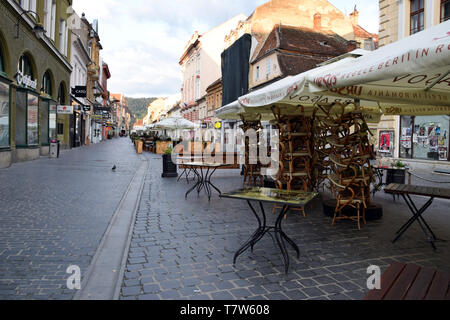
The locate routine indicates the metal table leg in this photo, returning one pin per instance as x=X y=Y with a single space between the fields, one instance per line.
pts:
x=263 y=229
x=196 y=185
x=417 y=216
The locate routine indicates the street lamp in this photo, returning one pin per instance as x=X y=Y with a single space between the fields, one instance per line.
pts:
x=38 y=28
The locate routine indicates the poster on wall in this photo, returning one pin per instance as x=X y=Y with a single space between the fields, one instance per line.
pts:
x=385 y=147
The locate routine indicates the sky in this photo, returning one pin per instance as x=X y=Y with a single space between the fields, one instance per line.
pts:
x=143 y=40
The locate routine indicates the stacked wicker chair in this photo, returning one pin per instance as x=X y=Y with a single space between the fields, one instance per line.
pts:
x=349 y=156
x=296 y=151
x=252 y=167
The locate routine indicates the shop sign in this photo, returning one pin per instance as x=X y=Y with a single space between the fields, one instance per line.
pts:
x=105 y=109
x=65 y=109
x=25 y=81
x=79 y=91
x=87 y=108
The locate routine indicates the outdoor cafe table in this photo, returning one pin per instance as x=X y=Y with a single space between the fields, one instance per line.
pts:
x=203 y=178
x=406 y=191
x=181 y=161
x=284 y=198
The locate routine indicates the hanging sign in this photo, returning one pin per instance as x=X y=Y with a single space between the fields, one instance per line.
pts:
x=65 y=109
x=79 y=91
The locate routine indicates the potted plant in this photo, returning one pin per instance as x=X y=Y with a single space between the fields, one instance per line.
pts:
x=169 y=168
x=397 y=173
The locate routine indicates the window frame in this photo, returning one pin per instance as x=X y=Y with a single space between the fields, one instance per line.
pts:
x=443 y=2
x=418 y=12
x=412 y=156
x=27 y=93
x=8 y=84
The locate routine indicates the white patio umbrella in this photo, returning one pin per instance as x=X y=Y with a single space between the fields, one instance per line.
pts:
x=175 y=123
x=410 y=76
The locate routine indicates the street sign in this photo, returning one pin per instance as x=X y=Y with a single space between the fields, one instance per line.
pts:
x=79 y=91
x=87 y=108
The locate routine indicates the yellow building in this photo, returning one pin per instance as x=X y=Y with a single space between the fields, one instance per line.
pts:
x=419 y=140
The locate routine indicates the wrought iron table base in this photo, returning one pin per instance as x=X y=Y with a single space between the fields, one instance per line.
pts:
x=186 y=173
x=203 y=182
x=417 y=216
x=263 y=229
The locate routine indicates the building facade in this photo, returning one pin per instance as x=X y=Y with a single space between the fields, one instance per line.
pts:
x=419 y=140
x=34 y=77
x=80 y=60
x=201 y=66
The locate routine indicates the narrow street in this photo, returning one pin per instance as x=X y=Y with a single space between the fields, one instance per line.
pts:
x=54 y=213
x=57 y=212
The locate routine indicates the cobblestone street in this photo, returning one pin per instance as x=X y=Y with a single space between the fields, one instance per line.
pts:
x=54 y=213
x=183 y=249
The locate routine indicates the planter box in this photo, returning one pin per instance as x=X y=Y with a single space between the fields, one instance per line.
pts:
x=396 y=176
x=139 y=144
x=162 y=146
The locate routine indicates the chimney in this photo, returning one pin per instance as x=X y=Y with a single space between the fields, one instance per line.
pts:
x=318 y=22
x=354 y=17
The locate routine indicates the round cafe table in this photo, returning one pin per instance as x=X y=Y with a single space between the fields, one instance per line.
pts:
x=203 y=171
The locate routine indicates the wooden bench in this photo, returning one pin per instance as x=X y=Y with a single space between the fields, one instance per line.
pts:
x=411 y=282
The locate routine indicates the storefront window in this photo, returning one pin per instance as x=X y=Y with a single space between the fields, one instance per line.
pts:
x=4 y=115
x=33 y=120
x=407 y=124
x=44 y=116
x=427 y=136
x=21 y=111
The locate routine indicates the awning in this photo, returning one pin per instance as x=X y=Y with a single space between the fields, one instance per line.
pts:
x=411 y=76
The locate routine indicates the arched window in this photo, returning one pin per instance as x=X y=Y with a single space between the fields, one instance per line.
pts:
x=2 y=64
x=25 y=66
x=47 y=84
x=62 y=94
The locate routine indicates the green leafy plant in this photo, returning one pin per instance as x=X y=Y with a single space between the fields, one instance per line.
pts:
x=398 y=164
x=168 y=151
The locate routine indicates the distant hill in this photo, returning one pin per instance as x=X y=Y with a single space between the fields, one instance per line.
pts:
x=138 y=106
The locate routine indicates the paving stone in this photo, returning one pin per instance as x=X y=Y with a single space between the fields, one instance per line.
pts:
x=331 y=288
x=197 y=239
x=276 y=296
x=313 y=292
x=152 y=288
x=222 y=295
x=241 y=293
x=131 y=291
x=169 y=295
x=295 y=294
x=148 y=297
